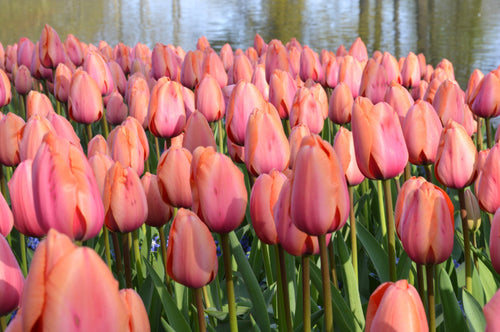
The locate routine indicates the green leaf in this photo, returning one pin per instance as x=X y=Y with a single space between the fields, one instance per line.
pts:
x=453 y=316
x=350 y=283
x=374 y=250
x=259 y=305
x=473 y=312
x=487 y=279
x=174 y=316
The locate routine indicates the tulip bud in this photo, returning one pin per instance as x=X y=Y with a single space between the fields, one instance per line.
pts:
x=159 y=212
x=32 y=135
x=11 y=279
x=23 y=81
x=116 y=109
x=310 y=106
x=191 y=71
x=282 y=89
x=410 y=72
x=473 y=211
x=350 y=72
x=212 y=65
x=226 y=55
x=276 y=58
x=488 y=180
x=73 y=49
x=62 y=80
x=486 y=100
x=209 y=99
x=340 y=105
x=373 y=82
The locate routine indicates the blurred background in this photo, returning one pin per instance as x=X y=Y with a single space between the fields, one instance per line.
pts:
x=466 y=32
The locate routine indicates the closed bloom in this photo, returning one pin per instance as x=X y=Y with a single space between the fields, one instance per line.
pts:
x=396 y=307
x=212 y=64
x=422 y=130
x=488 y=184
x=373 y=82
x=490 y=311
x=310 y=66
x=138 y=96
x=456 y=159
x=32 y=135
x=84 y=99
x=159 y=212
x=344 y=147
x=226 y=55
x=95 y=65
x=266 y=145
x=358 y=50
x=310 y=106
x=296 y=135
x=11 y=129
x=166 y=114
x=350 y=72
x=116 y=109
x=379 y=143
x=119 y=79
x=209 y=99
x=11 y=279
x=73 y=49
x=191 y=251
x=473 y=210
x=410 y=71
x=38 y=103
x=495 y=241
x=399 y=98
x=276 y=58
x=449 y=102
x=340 y=104
x=219 y=192
x=474 y=80
x=282 y=89
x=191 y=71
x=6 y=217
x=5 y=91
x=138 y=320
x=100 y=164
x=122 y=187
x=486 y=100
x=174 y=171
x=197 y=132
x=319 y=199
x=241 y=69
x=51 y=49
x=23 y=80
x=62 y=80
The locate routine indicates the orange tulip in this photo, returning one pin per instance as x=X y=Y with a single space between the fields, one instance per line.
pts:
x=97 y=144
x=318 y=181
x=11 y=278
x=266 y=145
x=32 y=134
x=488 y=183
x=191 y=251
x=95 y=65
x=6 y=217
x=340 y=104
x=379 y=143
x=310 y=106
x=62 y=80
x=209 y=99
x=282 y=89
x=122 y=187
x=138 y=320
x=410 y=71
x=84 y=99
x=396 y=306
x=74 y=206
x=159 y=212
x=166 y=114
x=219 y=192
x=11 y=128
x=64 y=128
x=197 y=132
x=456 y=158
x=344 y=147
x=51 y=49
x=61 y=288
x=495 y=241
x=5 y=91
x=240 y=70
x=296 y=135
x=22 y=201
x=276 y=58
x=174 y=170
x=422 y=130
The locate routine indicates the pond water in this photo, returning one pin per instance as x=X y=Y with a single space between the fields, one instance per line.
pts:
x=465 y=32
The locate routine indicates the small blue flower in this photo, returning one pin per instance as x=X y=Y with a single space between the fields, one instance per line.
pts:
x=155 y=243
x=219 y=250
x=33 y=243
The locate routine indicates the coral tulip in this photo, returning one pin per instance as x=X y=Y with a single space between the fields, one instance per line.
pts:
x=456 y=158
x=38 y=103
x=74 y=205
x=344 y=147
x=73 y=49
x=282 y=89
x=449 y=102
x=159 y=212
x=310 y=66
x=166 y=114
x=486 y=100
x=84 y=99
x=227 y=56
x=241 y=70
x=138 y=316
x=495 y=241
x=174 y=170
x=396 y=307
x=5 y=91
x=358 y=50
x=116 y=109
x=373 y=82
x=399 y=98
x=191 y=71
x=350 y=72
x=100 y=164
x=474 y=80
x=119 y=79
x=296 y=136
x=219 y=192
x=62 y=81
x=317 y=182
x=95 y=65
x=6 y=217
x=276 y=58
x=197 y=132
x=410 y=71
x=310 y=106
x=488 y=183
x=340 y=104
x=11 y=129
x=23 y=80
x=379 y=143
x=11 y=279
x=51 y=49
x=209 y=99
x=122 y=56
x=212 y=64
x=32 y=135
x=138 y=96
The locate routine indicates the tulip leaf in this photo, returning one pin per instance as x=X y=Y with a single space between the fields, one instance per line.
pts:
x=350 y=282
x=375 y=251
x=487 y=280
x=259 y=305
x=473 y=312
x=453 y=316
x=174 y=316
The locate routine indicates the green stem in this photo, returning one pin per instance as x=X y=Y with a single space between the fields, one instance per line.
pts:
x=479 y=134
x=22 y=108
x=281 y=320
x=364 y=191
x=325 y=274
x=488 y=133
x=24 y=262
x=126 y=259
x=137 y=254
x=407 y=172
x=106 y=246
x=354 y=241
x=221 y=136
x=105 y=127
x=333 y=266
x=474 y=244
x=3 y=182
x=226 y=253
x=157 y=146
x=381 y=209
x=58 y=107
x=420 y=282
x=163 y=244
x=428 y=173
x=3 y=323
x=391 y=239
x=467 y=250
x=118 y=255
x=267 y=264
x=306 y=294
x=199 y=309
x=284 y=286
x=430 y=297
x=88 y=128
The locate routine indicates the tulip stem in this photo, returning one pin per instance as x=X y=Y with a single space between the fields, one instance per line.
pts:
x=3 y=323
x=325 y=274
x=333 y=266
x=22 y=108
x=428 y=172
x=106 y=246
x=89 y=132
x=137 y=254
x=306 y=294
x=269 y=274
x=200 y=310
x=488 y=133
x=126 y=259
x=118 y=255
x=430 y=297
x=157 y=146
x=383 y=225
x=105 y=127
x=474 y=244
x=465 y=230
x=163 y=245
x=391 y=239
x=231 y=302
x=221 y=136
x=420 y=281
x=3 y=182
x=284 y=287
x=479 y=134
x=354 y=241
x=24 y=262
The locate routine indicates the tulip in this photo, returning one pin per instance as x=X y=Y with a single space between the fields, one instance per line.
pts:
x=97 y=144
x=282 y=89
x=473 y=211
x=95 y=65
x=266 y=145
x=219 y=192
x=166 y=114
x=213 y=65
x=495 y=241
x=244 y=99
x=350 y=72
x=456 y=158
x=395 y=306
x=379 y=143
x=241 y=69
x=276 y=58
x=191 y=251
x=6 y=217
x=438 y=78
x=138 y=97
x=490 y=311
x=74 y=205
x=486 y=100
x=11 y=58
x=32 y=135
x=235 y=151
x=73 y=49
x=344 y=148
x=174 y=170
x=474 y=81
x=488 y=182
x=116 y=109
x=202 y=44
x=62 y=80
x=11 y=129
x=422 y=130
x=410 y=71
x=119 y=79
x=159 y=212
x=310 y=106
x=399 y=98
x=122 y=56
x=310 y=66
x=38 y=103
x=391 y=66
x=358 y=50
x=5 y=91
x=61 y=288
x=23 y=81
x=209 y=99
x=64 y=128
x=197 y=132
x=226 y=55
x=449 y=102
x=373 y=82
x=138 y=320
x=24 y=52
x=100 y=164
x=340 y=104
x=84 y=99
x=11 y=279
x=259 y=80
x=296 y=135
x=331 y=70
x=191 y=71
x=51 y=49
x=122 y=187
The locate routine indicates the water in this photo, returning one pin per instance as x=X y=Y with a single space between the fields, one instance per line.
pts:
x=465 y=32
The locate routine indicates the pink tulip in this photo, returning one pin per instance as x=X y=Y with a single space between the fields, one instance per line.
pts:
x=174 y=170
x=24 y=52
x=122 y=56
x=344 y=148
x=490 y=311
x=331 y=70
x=38 y=103
x=138 y=97
x=138 y=320
x=116 y=109
x=282 y=89
x=100 y=164
x=11 y=131
x=32 y=135
x=241 y=69
x=226 y=55
x=5 y=92
x=310 y=66
x=358 y=50
x=449 y=102
x=97 y=144
x=11 y=279
x=486 y=100
x=495 y=241
x=213 y=65
x=197 y=132
x=410 y=71
x=399 y=98
x=84 y=99
x=119 y=79
x=276 y=58
x=191 y=71
x=209 y=99
x=166 y=114
x=51 y=49
x=310 y=106
x=391 y=66
x=73 y=49
x=489 y=181
x=62 y=80
x=350 y=72
x=6 y=217
x=23 y=80
x=296 y=135
x=373 y=82
x=340 y=104
x=474 y=80
x=159 y=212
x=95 y=65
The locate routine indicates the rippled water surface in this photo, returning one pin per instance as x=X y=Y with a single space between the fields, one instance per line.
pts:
x=466 y=32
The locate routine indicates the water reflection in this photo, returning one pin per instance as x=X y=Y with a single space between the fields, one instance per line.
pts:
x=465 y=32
